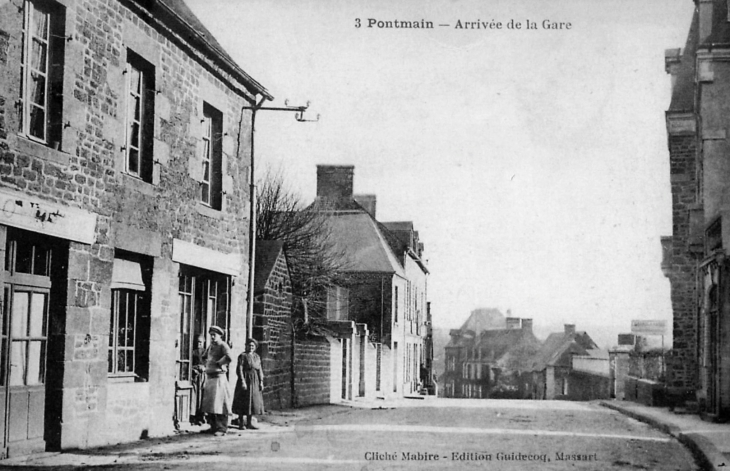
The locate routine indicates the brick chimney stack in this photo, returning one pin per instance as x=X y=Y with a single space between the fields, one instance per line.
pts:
x=513 y=323
x=368 y=202
x=335 y=181
x=569 y=329
x=527 y=325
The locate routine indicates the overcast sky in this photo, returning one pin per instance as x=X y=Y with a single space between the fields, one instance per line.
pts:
x=533 y=163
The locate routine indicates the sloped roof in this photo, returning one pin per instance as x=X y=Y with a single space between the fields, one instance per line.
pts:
x=683 y=98
x=267 y=253
x=203 y=39
x=557 y=345
x=357 y=234
x=399 y=225
x=484 y=319
x=499 y=341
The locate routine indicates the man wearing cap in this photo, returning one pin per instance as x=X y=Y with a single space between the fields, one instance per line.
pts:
x=216 y=395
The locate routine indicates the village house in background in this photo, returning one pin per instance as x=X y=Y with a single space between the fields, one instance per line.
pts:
x=553 y=376
x=387 y=291
x=487 y=362
x=124 y=188
x=695 y=256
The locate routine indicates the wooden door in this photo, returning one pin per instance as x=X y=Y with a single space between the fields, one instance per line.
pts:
x=24 y=344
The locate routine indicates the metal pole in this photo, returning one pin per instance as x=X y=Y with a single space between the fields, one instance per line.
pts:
x=252 y=226
x=299 y=110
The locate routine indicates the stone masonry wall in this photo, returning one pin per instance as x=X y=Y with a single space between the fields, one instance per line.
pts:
x=272 y=317
x=311 y=371
x=87 y=172
x=682 y=364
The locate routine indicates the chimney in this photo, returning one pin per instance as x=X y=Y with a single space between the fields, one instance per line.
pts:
x=672 y=61
x=513 y=322
x=569 y=329
x=367 y=202
x=335 y=181
x=527 y=325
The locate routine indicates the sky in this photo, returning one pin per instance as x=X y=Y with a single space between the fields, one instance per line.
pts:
x=532 y=162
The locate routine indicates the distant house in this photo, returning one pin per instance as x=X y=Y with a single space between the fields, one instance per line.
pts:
x=553 y=364
x=490 y=363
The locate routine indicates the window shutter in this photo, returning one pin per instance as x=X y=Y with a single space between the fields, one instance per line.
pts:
x=195 y=163
x=227 y=184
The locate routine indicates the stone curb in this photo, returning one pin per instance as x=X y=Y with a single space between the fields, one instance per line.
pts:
x=702 y=449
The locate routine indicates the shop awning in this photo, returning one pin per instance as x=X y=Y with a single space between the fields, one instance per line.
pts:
x=127 y=275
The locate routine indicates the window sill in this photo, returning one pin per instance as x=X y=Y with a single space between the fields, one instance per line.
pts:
x=208 y=211
x=37 y=149
x=138 y=184
x=126 y=378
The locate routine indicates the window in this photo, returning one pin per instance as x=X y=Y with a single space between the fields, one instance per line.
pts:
x=395 y=309
x=337 y=303
x=212 y=159
x=129 y=324
x=140 y=116
x=41 y=71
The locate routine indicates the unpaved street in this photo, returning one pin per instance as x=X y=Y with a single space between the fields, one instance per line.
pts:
x=423 y=434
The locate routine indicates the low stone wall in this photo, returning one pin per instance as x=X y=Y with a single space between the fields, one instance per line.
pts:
x=585 y=386
x=645 y=391
x=311 y=370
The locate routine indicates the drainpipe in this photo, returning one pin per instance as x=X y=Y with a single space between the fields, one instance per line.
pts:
x=252 y=223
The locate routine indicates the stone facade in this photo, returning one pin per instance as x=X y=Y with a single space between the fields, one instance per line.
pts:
x=78 y=187
x=315 y=360
x=273 y=325
x=697 y=128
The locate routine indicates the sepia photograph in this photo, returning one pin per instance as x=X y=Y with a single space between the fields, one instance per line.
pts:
x=365 y=235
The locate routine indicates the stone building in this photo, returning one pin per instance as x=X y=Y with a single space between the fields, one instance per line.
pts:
x=386 y=279
x=272 y=319
x=124 y=172
x=489 y=362
x=553 y=365
x=696 y=254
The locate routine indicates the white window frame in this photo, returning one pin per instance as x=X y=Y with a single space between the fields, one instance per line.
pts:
x=206 y=186
x=114 y=346
x=30 y=10
x=134 y=96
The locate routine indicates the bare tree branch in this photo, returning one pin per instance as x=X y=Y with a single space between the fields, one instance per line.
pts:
x=315 y=261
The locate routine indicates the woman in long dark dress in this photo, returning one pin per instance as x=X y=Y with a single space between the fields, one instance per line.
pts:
x=248 y=399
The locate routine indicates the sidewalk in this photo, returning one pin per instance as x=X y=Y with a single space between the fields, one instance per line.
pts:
x=709 y=442
x=177 y=444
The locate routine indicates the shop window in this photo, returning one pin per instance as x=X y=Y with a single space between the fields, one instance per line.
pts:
x=212 y=159
x=41 y=71
x=140 y=116
x=129 y=325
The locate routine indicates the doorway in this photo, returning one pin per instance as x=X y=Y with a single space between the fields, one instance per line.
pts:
x=204 y=301
x=24 y=335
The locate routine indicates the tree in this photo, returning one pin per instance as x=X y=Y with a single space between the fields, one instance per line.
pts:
x=315 y=261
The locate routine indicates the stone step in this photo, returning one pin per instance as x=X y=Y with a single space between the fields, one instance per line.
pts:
x=688 y=407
